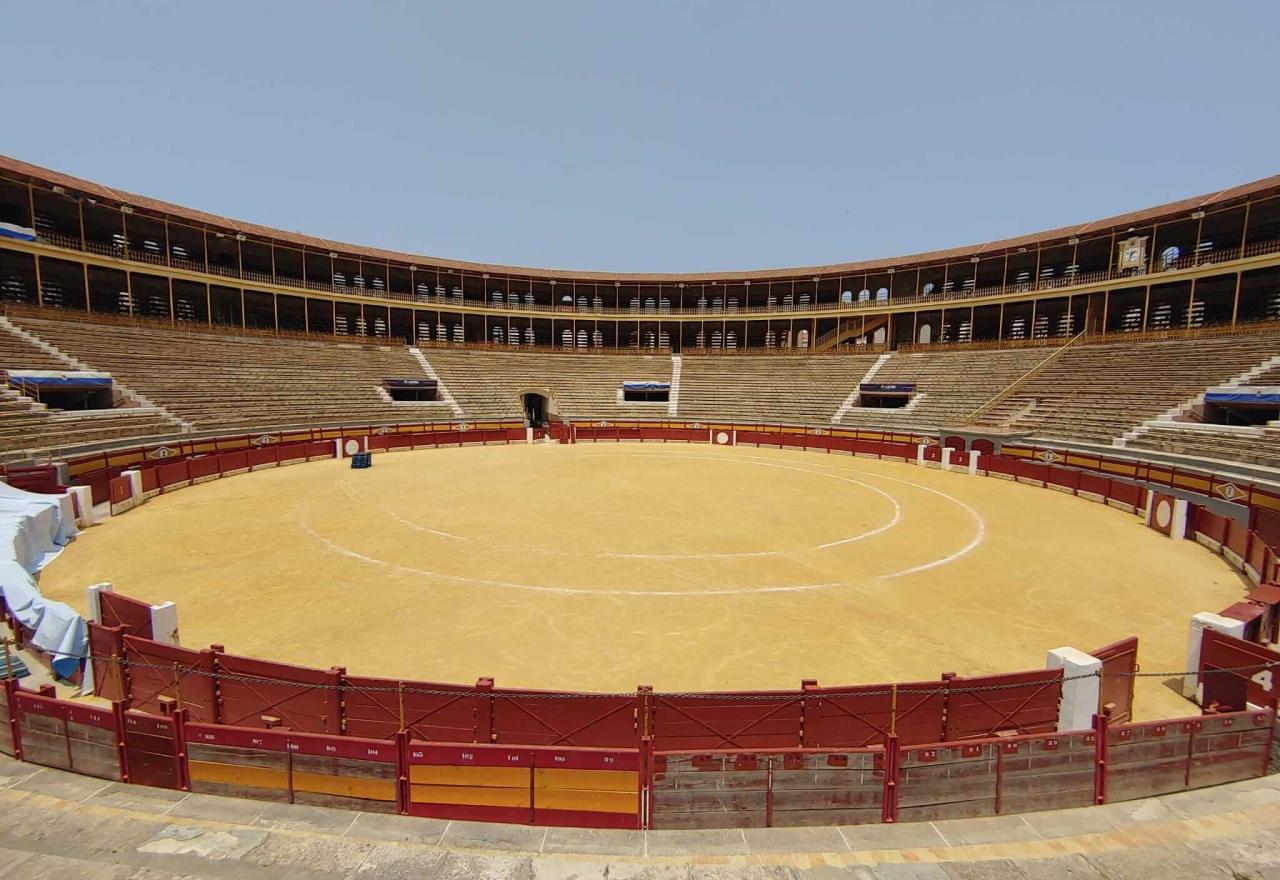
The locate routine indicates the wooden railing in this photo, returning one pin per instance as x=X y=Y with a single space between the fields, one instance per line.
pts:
x=1061 y=282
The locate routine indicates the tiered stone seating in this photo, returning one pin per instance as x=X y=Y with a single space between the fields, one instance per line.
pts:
x=803 y=389
x=1253 y=445
x=29 y=429
x=489 y=384
x=1097 y=392
x=949 y=385
x=221 y=382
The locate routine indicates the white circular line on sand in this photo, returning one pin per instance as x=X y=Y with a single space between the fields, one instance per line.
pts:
x=543 y=588
x=893 y=521
x=797 y=588
x=978 y=538
x=355 y=496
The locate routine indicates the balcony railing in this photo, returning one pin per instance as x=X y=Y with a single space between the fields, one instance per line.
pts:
x=444 y=301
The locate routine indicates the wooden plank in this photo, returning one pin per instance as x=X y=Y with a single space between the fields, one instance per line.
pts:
x=470 y=795
x=237 y=775
x=485 y=777
x=587 y=780
x=592 y=801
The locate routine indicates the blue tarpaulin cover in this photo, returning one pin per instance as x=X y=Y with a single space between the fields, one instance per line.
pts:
x=63 y=378
x=646 y=386
x=1257 y=395
x=13 y=230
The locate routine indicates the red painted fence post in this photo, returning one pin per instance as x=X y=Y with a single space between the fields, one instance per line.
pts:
x=10 y=686
x=889 y=806
x=179 y=717
x=646 y=783
x=809 y=713
x=402 y=773
x=216 y=650
x=117 y=716
x=484 y=711
x=1101 y=726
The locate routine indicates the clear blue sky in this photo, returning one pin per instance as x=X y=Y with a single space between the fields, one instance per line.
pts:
x=648 y=136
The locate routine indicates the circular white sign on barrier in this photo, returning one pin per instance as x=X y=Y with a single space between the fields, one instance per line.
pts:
x=352 y=447
x=722 y=438
x=1164 y=514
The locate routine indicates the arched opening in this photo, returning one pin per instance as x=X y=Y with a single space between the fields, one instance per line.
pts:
x=925 y=334
x=535 y=407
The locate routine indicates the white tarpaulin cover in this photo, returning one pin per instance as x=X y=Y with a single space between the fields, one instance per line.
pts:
x=33 y=530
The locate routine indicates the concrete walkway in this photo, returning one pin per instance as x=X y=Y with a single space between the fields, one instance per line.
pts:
x=56 y=825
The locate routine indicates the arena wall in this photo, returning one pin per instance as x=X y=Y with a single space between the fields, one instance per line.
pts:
x=206 y=720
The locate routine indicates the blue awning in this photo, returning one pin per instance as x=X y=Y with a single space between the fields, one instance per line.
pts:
x=59 y=379
x=1256 y=396
x=13 y=230
x=646 y=386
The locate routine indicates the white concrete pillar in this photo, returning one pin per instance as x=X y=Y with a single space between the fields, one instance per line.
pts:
x=1178 y=528
x=83 y=496
x=1199 y=623
x=528 y=434
x=946 y=457
x=1148 y=507
x=95 y=604
x=164 y=623
x=973 y=463
x=135 y=486
x=920 y=454
x=1081 y=687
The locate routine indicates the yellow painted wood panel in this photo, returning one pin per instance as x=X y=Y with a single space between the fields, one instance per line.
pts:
x=346 y=786
x=595 y=801
x=470 y=795
x=587 y=780
x=495 y=777
x=234 y=774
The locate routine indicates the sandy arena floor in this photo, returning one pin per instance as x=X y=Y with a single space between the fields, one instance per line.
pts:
x=604 y=566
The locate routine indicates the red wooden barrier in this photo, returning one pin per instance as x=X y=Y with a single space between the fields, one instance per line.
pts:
x=154 y=751
x=120 y=491
x=381 y=707
x=157 y=674
x=853 y=717
x=755 y=720
x=1257 y=681
x=251 y=693
x=172 y=476
x=1119 y=664
x=68 y=736
x=1020 y=702
x=132 y=616
x=202 y=467
x=262 y=456
x=534 y=718
x=106 y=647
x=330 y=771
x=233 y=462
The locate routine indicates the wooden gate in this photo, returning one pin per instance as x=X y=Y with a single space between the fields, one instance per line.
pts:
x=1119 y=665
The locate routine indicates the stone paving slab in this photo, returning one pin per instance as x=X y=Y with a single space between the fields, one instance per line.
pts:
x=401 y=829
x=62 y=785
x=594 y=842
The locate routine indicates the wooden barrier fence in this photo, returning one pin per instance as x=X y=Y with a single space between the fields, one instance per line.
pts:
x=639 y=787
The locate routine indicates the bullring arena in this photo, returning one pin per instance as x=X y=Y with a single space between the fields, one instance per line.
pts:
x=548 y=566
x=506 y=554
